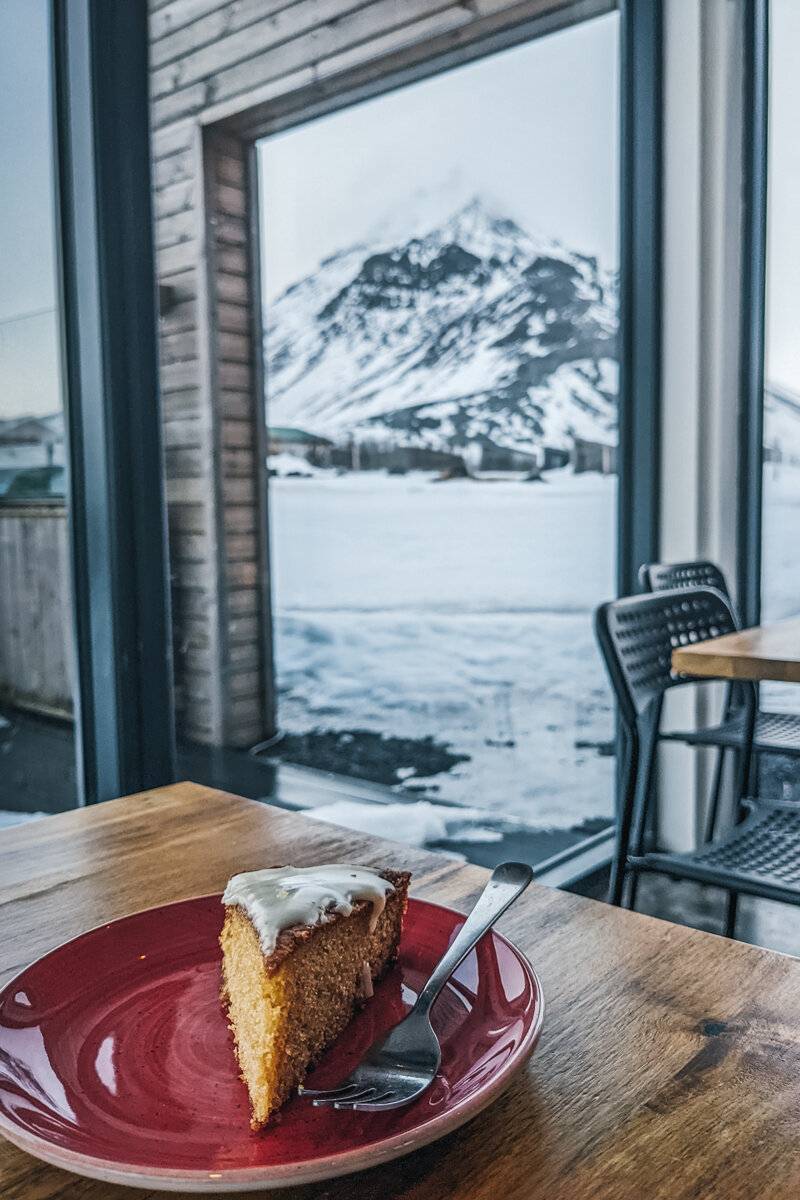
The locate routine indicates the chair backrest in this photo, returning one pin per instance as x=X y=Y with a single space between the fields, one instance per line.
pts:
x=638 y=634
x=664 y=577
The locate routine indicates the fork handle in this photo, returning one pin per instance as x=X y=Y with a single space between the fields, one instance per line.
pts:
x=508 y=881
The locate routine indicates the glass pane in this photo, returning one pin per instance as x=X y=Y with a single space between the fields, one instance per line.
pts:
x=36 y=732
x=780 y=588
x=440 y=288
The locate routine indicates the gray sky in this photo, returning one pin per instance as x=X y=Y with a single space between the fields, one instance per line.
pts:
x=535 y=128
x=783 y=230
x=29 y=373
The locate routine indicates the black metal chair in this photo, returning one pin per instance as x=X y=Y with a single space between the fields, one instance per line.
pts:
x=665 y=577
x=774 y=732
x=759 y=855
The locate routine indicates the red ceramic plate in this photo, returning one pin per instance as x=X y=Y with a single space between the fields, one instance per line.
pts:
x=116 y=1061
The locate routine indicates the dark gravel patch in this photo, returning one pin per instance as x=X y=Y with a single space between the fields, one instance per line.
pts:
x=364 y=754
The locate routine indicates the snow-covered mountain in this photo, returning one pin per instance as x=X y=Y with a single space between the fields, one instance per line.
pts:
x=472 y=331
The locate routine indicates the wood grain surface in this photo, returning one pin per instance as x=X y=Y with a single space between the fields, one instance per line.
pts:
x=765 y=652
x=669 y=1065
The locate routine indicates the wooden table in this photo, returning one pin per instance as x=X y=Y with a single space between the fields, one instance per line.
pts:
x=669 y=1065
x=765 y=652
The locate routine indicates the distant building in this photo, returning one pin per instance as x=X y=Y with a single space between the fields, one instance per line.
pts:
x=491 y=457
x=379 y=456
x=503 y=458
x=593 y=456
x=32 y=456
x=310 y=446
x=32 y=431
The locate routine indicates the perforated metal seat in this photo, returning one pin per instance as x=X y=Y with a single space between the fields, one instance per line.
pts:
x=760 y=855
x=775 y=732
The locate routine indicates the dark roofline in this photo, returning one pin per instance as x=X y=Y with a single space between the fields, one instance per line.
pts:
x=288 y=434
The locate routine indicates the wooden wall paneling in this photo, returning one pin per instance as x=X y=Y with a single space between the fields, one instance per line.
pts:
x=179 y=30
x=239 y=463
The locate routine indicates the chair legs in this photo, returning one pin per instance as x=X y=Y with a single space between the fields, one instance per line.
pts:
x=618 y=866
x=638 y=779
x=716 y=788
x=744 y=762
x=633 y=882
x=642 y=792
x=748 y=779
x=753 y=775
x=730 y=914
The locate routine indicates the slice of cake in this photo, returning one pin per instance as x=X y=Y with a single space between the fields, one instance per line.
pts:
x=301 y=948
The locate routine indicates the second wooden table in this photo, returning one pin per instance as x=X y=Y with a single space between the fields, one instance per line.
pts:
x=764 y=652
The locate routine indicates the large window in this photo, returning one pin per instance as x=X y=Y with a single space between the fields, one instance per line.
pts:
x=37 y=762
x=781 y=520
x=440 y=275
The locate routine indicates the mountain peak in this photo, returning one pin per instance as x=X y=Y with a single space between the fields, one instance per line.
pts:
x=429 y=212
x=482 y=227
x=450 y=325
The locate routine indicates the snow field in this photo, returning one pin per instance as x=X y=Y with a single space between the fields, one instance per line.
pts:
x=461 y=610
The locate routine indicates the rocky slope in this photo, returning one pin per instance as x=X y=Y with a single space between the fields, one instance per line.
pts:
x=472 y=332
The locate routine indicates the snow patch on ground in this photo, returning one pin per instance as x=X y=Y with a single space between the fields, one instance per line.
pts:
x=418 y=824
x=287 y=463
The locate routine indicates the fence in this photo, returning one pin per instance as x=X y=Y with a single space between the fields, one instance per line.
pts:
x=36 y=668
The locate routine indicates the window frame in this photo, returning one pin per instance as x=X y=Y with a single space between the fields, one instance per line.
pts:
x=755 y=141
x=641 y=235
x=124 y=711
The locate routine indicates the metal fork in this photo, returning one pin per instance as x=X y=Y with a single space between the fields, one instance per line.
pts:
x=401 y=1064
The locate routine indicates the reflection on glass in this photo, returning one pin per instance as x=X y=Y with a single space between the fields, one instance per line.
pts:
x=36 y=743
x=780 y=595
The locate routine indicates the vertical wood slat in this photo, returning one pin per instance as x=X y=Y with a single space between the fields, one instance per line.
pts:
x=238 y=469
x=36 y=666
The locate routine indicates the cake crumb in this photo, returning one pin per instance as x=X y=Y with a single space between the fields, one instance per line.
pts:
x=366 y=979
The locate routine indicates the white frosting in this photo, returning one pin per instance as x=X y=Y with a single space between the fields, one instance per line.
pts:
x=278 y=898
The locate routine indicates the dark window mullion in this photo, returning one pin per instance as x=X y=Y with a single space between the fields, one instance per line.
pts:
x=754 y=265
x=116 y=506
